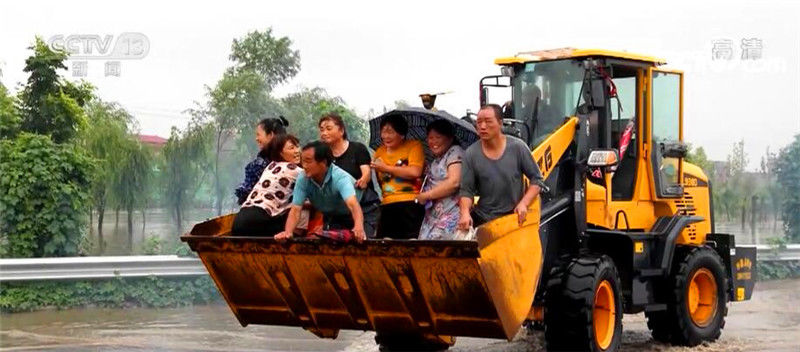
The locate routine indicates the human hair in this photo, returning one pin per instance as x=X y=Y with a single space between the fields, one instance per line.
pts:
x=274 y=125
x=443 y=127
x=277 y=143
x=498 y=111
x=336 y=119
x=398 y=123
x=322 y=152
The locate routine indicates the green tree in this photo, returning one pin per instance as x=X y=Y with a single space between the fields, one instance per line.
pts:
x=9 y=116
x=773 y=191
x=261 y=62
x=104 y=139
x=270 y=57
x=48 y=104
x=235 y=104
x=185 y=156
x=698 y=157
x=132 y=180
x=304 y=108
x=788 y=175
x=740 y=185
x=44 y=195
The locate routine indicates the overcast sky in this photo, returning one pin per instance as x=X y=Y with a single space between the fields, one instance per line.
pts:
x=374 y=53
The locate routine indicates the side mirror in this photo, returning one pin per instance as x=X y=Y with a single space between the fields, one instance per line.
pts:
x=603 y=158
x=674 y=149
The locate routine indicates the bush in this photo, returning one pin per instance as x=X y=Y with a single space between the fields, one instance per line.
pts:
x=115 y=293
x=777 y=270
x=44 y=197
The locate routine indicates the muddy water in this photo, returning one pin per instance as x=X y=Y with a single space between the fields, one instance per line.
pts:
x=157 y=223
x=770 y=322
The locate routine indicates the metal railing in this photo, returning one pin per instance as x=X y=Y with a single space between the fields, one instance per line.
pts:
x=771 y=253
x=77 y=268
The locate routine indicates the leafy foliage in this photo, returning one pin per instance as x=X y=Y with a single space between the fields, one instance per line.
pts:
x=115 y=293
x=698 y=157
x=103 y=139
x=9 y=116
x=133 y=179
x=778 y=270
x=185 y=166
x=48 y=104
x=44 y=194
x=270 y=57
x=304 y=108
x=788 y=175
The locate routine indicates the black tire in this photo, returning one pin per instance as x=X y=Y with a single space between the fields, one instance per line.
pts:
x=675 y=325
x=412 y=342
x=569 y=304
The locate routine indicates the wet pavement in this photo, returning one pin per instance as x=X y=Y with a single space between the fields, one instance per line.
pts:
x=769 y=322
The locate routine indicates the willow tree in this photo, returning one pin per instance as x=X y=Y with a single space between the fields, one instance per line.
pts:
x=132 y=180
x=185 y=165
x=105 y=139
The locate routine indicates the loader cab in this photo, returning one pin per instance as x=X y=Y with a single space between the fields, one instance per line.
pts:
x=630 y=105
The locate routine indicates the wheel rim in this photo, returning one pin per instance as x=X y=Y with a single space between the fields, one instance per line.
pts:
x=604 y=314
x=702 y=297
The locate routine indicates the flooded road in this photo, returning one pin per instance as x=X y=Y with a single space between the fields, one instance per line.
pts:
x=158 y=223
x=770 y=322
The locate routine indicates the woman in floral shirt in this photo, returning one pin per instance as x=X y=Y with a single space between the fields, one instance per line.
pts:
x=442 y=179
x=265 y=209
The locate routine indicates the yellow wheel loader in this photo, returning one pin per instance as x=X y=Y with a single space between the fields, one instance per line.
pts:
x=626 y=226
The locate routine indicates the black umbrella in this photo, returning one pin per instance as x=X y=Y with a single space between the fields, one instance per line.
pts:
x=418 y=119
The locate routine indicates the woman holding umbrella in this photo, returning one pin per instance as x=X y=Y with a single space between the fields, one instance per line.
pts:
x=398 y=163
x=442 y=181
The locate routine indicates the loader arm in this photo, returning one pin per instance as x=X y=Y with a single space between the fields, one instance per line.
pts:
x=549 y=152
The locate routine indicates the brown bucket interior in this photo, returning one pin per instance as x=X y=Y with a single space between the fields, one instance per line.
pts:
x=427 y=287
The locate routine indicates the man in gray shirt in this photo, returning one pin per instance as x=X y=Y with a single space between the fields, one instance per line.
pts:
x=493 y=170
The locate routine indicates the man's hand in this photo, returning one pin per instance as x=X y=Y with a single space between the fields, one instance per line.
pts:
x=358 y=232
x=362 y=183
x=283 y=236
x=379 y=165
x=522 y=212
x=464 y=221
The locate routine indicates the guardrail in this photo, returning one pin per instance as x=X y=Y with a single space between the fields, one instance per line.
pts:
x=77 y=268
x=770 y=253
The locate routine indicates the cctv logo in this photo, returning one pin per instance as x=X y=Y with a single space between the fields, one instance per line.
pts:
x=127 y=46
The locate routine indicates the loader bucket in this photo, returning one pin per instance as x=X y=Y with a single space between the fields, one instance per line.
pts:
x=480 y=288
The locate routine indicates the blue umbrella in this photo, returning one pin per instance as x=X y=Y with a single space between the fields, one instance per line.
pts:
x=418 y=119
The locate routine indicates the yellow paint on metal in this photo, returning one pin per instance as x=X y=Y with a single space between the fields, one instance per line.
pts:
x=604 y=315
x=567 y=53
x=511 y=262
x=701 y=297
x=549 y=152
